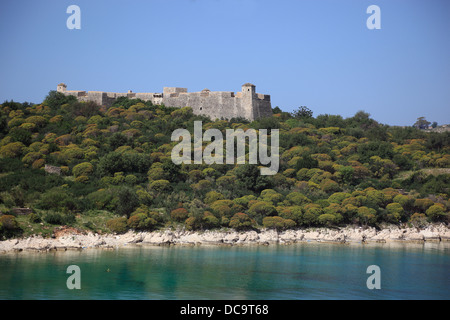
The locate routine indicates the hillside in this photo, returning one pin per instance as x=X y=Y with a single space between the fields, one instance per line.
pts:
x=112 y=171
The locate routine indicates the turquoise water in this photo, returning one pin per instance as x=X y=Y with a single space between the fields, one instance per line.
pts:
x=300 y=271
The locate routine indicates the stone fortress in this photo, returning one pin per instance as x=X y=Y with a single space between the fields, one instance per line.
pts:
x=215 y=104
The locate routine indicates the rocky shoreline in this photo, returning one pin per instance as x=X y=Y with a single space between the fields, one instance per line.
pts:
x=70 y=240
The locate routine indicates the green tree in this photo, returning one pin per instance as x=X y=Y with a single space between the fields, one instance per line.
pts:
x=127 y=201
x=249 y=177
x=58 y=199
x=302 y=113
x=20 y=135
x=56 y=99
x=421 y=123
x=117 y=140
x=346 y=173
x=306 y=162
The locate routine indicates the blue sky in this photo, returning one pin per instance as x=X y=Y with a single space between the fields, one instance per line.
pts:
x=315 y=53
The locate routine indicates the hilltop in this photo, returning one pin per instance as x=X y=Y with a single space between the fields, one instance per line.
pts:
x=108 y=169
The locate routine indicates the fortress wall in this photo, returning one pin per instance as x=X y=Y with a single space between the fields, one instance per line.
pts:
x=167 y=90
x=214 y=104
x=75 y=93
x=223 y=94
x=97 y=96
x=116 y=95
x=263 y=96
x=144 y=96
x=262 y=108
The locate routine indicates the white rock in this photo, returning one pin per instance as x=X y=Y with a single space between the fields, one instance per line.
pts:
x=268 y=236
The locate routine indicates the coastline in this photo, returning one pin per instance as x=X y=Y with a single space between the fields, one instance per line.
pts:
x=70 y=239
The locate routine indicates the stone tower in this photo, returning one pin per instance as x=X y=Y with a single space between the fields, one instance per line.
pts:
x=248 y=95
x=61 y=87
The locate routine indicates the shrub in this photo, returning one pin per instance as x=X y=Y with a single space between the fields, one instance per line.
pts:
x=130 y=179
x=160 y=185
x=117 y=225
x=245 y=200
x=271 y=195
x=294 y=213
x=34 y=218
x=367 y=216
x=195 y=175
x=278 y=223
x=240 y=221
x=418 y=220
x=179 y=215
x=9 y=226
x=202 y=185
x=30 y=157
x=12 y=150
x=128 y=201
x=226 y=182
x=39 y=163
x=404 y=201
x=437 y=212
x=102 y=199
x=212 y=196
x=225 y=208
x=192 y=223
x=311 y=214
x=210 y=221
x=57 y=199
x=423 y=204
x=59 y=218
x=329 y=185
x=82 y=179
x=261 y=209
x=297 y=198
x=156 y=173
x=339 y=197
x=9 y=222
x=141 y=221
x=83 y=169
x=249 y=177
x=395 y=212
x=328 y=219
x=306 y=162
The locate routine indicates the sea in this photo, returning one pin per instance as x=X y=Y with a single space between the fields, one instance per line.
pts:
x=302 y=271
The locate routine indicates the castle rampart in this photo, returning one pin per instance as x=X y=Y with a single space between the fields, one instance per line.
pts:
x=215 y=104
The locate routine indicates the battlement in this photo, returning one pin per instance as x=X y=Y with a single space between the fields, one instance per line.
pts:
x=215 y=104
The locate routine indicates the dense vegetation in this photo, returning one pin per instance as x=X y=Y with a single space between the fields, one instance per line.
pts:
x=117 y=174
